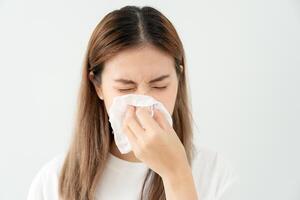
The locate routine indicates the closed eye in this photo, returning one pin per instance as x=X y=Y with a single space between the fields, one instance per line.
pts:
x=159 y=88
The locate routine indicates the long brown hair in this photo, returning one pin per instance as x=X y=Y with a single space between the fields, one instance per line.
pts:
x=120 y=29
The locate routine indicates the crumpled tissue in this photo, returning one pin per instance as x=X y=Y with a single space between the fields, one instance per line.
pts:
x=117 y=113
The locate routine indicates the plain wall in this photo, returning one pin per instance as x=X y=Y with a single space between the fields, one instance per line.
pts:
x=243 y=60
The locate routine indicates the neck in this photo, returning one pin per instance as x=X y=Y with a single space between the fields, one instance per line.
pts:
x=128 y=156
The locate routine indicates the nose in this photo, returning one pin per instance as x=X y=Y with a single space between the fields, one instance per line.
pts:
x=143 y=90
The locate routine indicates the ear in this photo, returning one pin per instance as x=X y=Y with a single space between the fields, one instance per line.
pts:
x=91 y=76
x=97 y=88
x=181 y=68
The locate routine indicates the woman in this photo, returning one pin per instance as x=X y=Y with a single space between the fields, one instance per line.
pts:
x=134 y=50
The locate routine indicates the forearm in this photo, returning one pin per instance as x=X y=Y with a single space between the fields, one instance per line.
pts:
x=180 y=186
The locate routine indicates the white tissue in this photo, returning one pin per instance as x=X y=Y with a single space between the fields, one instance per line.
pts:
x=117 y=113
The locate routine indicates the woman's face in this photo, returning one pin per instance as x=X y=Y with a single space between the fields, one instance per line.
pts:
x=144 y=70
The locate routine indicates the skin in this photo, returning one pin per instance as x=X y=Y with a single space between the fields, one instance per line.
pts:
x=157 y=145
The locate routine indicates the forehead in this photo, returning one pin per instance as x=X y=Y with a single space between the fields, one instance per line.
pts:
x=146 y=60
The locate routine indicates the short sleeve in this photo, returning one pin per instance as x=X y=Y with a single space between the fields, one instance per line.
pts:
x=227 y=179
x=45 y=183
x=36 y=187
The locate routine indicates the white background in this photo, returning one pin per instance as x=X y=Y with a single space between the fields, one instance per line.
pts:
x=243 y=59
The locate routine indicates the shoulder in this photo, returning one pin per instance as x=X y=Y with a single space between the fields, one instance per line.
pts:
x=52 y=167
x=213 y=172
x=45 y=182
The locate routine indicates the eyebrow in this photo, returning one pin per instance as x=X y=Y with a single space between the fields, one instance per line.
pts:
x=126 y=81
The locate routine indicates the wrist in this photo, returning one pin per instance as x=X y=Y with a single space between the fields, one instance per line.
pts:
x=181 y=173
x=179 y=184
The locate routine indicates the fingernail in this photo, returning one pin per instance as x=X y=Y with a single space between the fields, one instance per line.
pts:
x=130 y=109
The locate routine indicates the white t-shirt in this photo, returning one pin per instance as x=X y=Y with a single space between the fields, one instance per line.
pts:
x=122 y=180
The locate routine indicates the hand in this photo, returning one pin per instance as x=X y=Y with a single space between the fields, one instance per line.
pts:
x=157 y=144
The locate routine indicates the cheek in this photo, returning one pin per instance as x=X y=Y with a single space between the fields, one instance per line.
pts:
x=108 y=99
x=108 y=93
x=168 y=99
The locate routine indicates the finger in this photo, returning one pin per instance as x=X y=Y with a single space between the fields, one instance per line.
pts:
x=135 y=126
x=146 y=119
x=131 y=137
x=128 y=115
x=161 y=120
